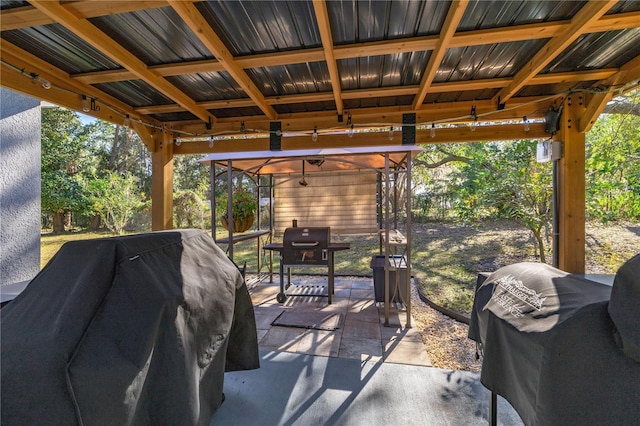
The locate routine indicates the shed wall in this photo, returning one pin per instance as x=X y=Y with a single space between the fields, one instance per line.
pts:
x=344 y=201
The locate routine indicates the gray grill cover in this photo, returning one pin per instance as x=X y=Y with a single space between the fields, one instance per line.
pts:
x=127 y=330
x=550 y=349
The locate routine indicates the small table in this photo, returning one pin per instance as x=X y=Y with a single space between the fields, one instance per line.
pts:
x=236 y=238
x=331 y=248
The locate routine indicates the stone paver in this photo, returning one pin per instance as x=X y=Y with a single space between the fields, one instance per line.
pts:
x=362 y=333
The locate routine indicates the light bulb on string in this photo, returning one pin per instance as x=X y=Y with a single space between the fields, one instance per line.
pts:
x=391 y=133
x=474 y=123
x=314 y=135
x=44 y=83
x=127 y=121
x=210 y=141
x=85 y=104
x=432 y=132
x=178 y=141
x=350 y=131
x=243 y=130
x=525 y=122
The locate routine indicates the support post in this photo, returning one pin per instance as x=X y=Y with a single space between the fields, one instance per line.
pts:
x=571 y=188
x=162 y=183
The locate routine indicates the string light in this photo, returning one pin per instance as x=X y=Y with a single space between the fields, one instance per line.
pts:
x=85 y=104
x=43 y=82
x=178 y=141
x=210 y=141
x=391 y=133
x=314 y=136
x=432 y=132
x=474 y=123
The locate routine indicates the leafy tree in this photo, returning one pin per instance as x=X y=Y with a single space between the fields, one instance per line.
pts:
x=116 y=198
x=189 y=209
x=613 y=162
x=64 y=156
x=494 y=180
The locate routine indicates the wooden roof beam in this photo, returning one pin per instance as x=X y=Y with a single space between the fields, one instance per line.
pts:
x=533 y=107
x=324 y=27
x=99 y=40
x=597 y=102
x=454 y=15
x=26 y=61
x=580 y=24
x=29 y=16
x=201 y=28
x=446 y=87
x=387 y=47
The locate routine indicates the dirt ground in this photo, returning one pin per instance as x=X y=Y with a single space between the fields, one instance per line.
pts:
x=607 y=247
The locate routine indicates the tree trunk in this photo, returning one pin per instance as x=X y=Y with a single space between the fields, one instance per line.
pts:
x=67 y=220
x=58 y=223
x=95 y=223
x=540 y=241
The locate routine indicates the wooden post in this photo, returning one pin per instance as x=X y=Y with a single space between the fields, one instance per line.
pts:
x=571 y=187
x=162 y=183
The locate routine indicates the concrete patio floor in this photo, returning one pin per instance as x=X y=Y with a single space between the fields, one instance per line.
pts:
x=363 y=373
x=361 y=334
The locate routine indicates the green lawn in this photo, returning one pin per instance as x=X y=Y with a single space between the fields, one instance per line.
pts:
x=446 y=257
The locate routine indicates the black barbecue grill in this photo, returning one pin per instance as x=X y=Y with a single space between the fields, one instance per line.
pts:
x=306 y=247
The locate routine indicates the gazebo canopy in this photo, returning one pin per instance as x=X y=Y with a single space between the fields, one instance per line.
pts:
x=316 y=160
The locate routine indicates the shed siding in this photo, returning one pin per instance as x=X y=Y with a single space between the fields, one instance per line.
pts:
x=344 y=201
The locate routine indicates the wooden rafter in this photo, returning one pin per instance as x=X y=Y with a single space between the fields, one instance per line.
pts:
x=467 y=38
x=115 y=51
x=447 y=87
x=597 y=102
x=29 y=16
x=23 y=60
x=456 y=10
x=580 y=23
x=324 y=27
x=533 y=107
x=198 y=24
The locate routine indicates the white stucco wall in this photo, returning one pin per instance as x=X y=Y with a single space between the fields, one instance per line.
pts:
x=19 y=186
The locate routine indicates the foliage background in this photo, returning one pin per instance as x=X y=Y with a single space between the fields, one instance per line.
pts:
x=97 y=177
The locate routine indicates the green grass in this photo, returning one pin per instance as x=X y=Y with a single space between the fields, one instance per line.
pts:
x=51 y=243
x=446 y=257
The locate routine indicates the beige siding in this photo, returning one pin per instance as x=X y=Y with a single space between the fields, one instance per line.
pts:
x=345 y=201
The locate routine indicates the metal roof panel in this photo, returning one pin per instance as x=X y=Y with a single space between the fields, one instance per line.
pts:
x=611 y=49
x=208 y=86
x=486 y=61
x=308 y=77
x=358 y=21
x=60 y=47
x=248 y=27
x=484 y=14
x=155 y=36
x=136 y=93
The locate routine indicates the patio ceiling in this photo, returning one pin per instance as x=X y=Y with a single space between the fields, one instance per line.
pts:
x=227 y=68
